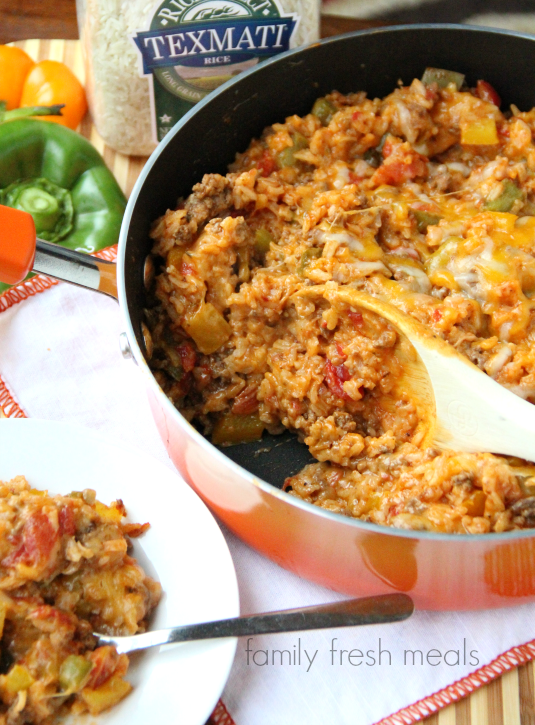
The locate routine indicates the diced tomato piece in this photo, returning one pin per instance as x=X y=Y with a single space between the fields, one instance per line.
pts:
x=66 y=521
x=437 y=315
x=335 y=375
x=400 y=171
x=356 y=115
x=105 y=660
x=135 y=530
x=388 y=147
x=266 y=163
x=340 y=351
x=50 y=619
x=487 y=93
x=39 y=536
x=246 y=402
x=186 y=268
x=430 y=94
x=401 y=164
x=353 y=178
x=355 y=317
x=38 y=540
x=504 y=131
x=188 y=356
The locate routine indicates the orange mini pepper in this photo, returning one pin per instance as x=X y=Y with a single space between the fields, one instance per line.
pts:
x=49 y=83
x=15 y=65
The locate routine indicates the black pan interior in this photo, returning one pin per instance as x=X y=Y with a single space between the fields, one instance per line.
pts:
x=373 y=61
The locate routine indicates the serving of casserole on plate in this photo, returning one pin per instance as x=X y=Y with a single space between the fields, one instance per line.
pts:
x=53 y=599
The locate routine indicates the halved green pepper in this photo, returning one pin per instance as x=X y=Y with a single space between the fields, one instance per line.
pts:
x=46 y=168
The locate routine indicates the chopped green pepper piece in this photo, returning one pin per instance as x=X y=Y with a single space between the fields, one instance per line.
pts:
x=324 y=110
x=424 y=219
x=287 y=155
x=174 y=372
x=373 y=157
x=300 y=141
x=504 y=202
x=232 y=428
x=49 y=204
x=73 y=673
x=442 y=78
x=262 y=240
x=307 y=256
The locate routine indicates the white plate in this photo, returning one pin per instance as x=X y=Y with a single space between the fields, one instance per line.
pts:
x=184 y=549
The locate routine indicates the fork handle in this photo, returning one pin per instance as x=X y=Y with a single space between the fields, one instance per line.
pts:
x=349 y=613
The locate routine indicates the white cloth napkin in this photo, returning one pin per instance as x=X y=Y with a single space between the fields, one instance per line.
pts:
x=60 y=359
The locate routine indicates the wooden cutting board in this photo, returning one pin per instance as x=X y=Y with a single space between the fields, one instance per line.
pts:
x=507 y=700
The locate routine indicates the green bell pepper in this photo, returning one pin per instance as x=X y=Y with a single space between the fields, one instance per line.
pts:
x=442 y=78
x=307 y=256
x=324 y=110
x=504 y=202
x=424 y=219
x=60 y=178
x=262 y=240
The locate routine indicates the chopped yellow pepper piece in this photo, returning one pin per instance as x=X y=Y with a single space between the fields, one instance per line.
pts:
x=208 y=328
x=481 y=132
x=475 y=503
x=109 y=514
x=18 y=678
x=232 y=428
x=107 y=695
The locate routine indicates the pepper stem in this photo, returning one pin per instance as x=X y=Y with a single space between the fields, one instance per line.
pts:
x=29 y=111
x=42 y=206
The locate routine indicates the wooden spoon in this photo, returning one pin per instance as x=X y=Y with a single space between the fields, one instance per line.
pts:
x=459 y=406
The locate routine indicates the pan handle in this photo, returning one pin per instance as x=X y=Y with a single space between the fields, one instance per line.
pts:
x=21 y=251
x=76 y=268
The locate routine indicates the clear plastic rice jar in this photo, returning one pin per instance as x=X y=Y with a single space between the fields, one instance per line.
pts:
x=147 y=63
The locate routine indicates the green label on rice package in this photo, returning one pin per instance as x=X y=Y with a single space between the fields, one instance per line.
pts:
x=193 y=46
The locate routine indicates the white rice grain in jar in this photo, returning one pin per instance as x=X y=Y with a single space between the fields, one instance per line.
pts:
x=147 y=63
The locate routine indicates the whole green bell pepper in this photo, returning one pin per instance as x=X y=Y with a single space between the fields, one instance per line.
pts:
x=60 y=178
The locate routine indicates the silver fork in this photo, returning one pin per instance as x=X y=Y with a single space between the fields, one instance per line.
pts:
x=349 y=613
